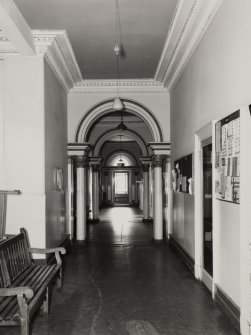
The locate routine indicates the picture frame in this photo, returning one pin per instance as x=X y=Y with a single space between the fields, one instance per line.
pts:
x=59 y=179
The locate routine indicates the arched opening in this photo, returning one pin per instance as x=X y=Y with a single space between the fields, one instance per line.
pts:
x=118 y=173
x=105 y=107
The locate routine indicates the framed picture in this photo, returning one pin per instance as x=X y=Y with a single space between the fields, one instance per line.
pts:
x=59 y=179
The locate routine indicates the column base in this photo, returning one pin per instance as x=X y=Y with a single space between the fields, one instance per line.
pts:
x=148 y=220
x=93 y=221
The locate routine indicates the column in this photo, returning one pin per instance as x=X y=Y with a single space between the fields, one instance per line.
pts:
x=146 y=161
x=145 y=170
x=95 y=166
x=158 y=198
x=95 y=192
x=81 y=202
x=136 y=187
x=150 y=192
x=70 y=190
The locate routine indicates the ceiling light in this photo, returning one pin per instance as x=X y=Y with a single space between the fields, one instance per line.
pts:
x=117 y=103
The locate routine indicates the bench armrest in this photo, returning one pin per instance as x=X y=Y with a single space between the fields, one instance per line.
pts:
x=21 y=291
x=56 y=251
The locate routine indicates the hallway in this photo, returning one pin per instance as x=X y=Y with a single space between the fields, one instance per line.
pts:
x=133 y=289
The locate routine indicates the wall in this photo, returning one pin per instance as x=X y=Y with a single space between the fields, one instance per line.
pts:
x=79 y=104
x=23 y=145
x=55 y=156
x=215 y=82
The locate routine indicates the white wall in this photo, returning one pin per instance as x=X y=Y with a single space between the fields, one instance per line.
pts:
x=55 y=157
x=216 y=81
x=23 y=145
x=79 y=104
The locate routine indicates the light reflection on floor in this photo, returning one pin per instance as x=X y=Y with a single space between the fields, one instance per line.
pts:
x=120 y=225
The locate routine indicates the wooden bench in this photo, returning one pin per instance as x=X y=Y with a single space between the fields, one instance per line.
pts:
x=24 y=286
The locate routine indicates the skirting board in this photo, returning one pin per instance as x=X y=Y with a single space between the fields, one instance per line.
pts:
x=185 y=257
x=226 y=304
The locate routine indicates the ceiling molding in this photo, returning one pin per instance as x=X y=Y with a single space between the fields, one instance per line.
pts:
x=190 y=22
x=125 y=86
x=16 y=28
x=6 y=47
x=58 y=52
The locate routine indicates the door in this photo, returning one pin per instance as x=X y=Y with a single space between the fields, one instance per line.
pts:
x=121 y=193
x=207 y=208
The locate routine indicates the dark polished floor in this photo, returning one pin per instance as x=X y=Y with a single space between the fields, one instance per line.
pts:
x=130 y=287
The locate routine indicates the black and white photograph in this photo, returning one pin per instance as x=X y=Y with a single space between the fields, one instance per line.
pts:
x=125 y=162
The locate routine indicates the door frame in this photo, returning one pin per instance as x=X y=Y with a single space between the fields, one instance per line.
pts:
x=113 y=184
x=201 y=135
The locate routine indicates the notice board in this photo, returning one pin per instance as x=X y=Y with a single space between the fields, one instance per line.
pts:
x=227 y=160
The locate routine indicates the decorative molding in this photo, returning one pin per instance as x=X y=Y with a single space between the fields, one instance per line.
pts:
x=81 y=161
x=16 y=28
x=190 y=22
x=6 y=47
x=56 y=47
x=146 y=161
x=78 y=149
x=104 y=107
x=160 y=148
x=157 y=160
x=125 y=86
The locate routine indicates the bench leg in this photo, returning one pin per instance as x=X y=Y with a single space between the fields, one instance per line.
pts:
x=25 y=326
x=59 y=280
x=46 y=302
x=25 y=318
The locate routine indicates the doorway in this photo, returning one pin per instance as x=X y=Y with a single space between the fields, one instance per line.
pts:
x=121 y=188
x=207 y=207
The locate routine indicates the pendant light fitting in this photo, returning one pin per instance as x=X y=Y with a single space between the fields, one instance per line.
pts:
x=117 y=103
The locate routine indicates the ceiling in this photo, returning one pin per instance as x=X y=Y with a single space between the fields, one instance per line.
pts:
x=90 y=25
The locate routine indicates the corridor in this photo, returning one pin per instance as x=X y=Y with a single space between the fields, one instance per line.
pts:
x=121 y=284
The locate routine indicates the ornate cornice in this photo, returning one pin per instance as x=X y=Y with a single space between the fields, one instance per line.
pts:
x=55 y=46
x=6 y=47
x=160 y=148
x=78 y=149
x=190 y=21
x=125 y=86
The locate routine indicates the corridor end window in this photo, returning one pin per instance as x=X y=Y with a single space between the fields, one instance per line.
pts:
x=121 y=182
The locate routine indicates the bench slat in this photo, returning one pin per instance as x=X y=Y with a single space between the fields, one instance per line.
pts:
x=35 y=280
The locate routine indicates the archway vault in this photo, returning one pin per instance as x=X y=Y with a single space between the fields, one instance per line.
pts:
x=105 y=107
x=114 y=132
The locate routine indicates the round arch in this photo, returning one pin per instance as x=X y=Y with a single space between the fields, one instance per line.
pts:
x=123 y=153
x=105 y=107
x=114 y=132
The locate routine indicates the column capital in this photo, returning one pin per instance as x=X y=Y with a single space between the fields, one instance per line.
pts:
x=157 y=160
x=160 y=148
x=81 y=161
x=94 y=162
x=145 y=161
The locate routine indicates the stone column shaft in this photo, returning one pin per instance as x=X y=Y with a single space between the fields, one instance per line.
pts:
x=70 y=214
x=145 y=193
x=158 y=198
x=95 y=193
x=81 y=198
